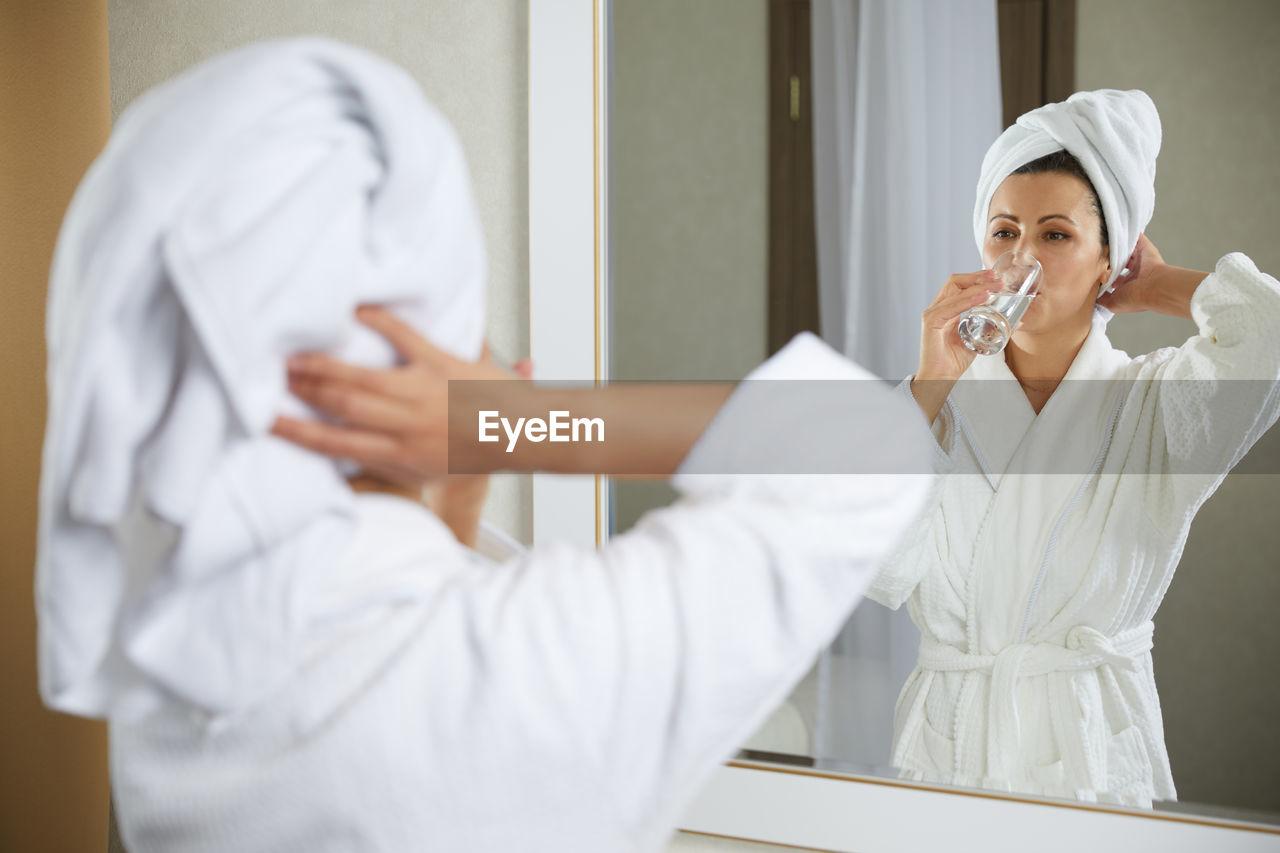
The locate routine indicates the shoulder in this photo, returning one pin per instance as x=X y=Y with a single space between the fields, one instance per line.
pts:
x=1147 y=365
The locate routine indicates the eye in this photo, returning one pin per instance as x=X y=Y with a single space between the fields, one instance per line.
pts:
x=1002 y=234
x=1057 y=235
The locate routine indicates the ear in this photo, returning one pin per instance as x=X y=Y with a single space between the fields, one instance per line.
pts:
x=1102 y=278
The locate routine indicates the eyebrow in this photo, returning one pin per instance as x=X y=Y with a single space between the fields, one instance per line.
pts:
x=1039 y=221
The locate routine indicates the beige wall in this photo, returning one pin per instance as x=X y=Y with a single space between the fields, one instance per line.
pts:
x=53 y=119
x=471 y=60
x=1213 y=70
x=689 y=175
x=690 y=172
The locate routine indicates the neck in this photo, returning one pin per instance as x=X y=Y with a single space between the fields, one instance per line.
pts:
x=1045 y=356
x=1039 y=361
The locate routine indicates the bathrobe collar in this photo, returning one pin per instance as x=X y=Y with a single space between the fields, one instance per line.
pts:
x=994 y=417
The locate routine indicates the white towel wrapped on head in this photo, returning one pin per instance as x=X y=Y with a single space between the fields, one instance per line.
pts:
x=1115 y=135
x=239 y=214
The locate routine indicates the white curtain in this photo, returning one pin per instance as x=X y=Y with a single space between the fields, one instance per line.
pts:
x=906 y=99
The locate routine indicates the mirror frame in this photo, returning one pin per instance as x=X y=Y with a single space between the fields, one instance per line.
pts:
x=569 y=274
x=568 y=236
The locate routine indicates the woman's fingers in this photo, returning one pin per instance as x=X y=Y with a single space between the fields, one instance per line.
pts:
x=320 y=368
x=1144 y=260
x=365 y=448
x=943 y=357
x=1131 y=291
x=1124 y=298
x=1146 y=252
x=946 y=309
x=392 y=422
x=352 y=405
x=965 y=281
x=412 y=346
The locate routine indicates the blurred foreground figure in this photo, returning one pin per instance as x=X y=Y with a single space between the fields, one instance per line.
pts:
x=288 y=663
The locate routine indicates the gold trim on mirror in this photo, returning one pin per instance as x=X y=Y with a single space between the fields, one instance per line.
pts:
x=599 y=20
x=771 y=844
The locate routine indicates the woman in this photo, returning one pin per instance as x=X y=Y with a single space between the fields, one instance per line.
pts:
x=291 y=660
x=1050 y=544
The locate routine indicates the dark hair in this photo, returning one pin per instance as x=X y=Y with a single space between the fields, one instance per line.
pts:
x=1067 y=164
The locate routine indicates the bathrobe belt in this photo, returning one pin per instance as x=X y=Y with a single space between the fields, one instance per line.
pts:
x=1085 y=649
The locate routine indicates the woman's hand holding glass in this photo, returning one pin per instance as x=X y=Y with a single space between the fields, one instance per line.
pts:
x=943 y=356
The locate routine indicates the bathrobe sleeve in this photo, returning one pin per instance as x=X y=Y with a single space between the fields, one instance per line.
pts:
x=916 y=551
x=662 y=652
x=1218 y=392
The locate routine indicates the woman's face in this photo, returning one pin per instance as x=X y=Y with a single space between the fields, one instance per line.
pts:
x=1050 y=215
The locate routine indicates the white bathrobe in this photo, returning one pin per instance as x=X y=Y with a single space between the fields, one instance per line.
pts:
x=561 y=700
x=289 y=667
x=1050 y=545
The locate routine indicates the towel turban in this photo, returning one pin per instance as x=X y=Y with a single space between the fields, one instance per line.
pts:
x=1115 y=135
x=238 y=214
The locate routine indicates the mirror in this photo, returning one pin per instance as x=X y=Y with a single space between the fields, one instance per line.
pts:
x=690 y=211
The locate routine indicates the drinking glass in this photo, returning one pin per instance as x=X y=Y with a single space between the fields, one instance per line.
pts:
x=986 y=328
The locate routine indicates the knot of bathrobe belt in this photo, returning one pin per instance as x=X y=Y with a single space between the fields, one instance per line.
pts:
x=1084 y=649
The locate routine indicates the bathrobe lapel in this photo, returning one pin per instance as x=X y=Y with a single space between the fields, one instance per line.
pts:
x=992 y=415
x=1036 y=466
x=1004 y=434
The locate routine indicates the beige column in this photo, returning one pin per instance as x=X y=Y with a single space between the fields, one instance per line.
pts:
x=54 y=117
